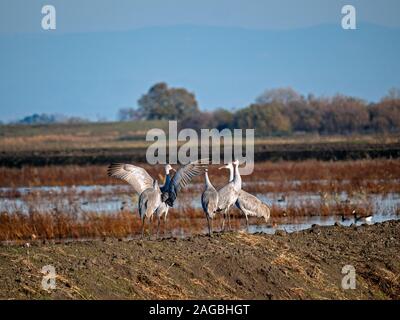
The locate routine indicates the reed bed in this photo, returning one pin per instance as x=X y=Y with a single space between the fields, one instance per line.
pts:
x=63 y=214
x=282 y=171
x=362 y=177
x=186 y=221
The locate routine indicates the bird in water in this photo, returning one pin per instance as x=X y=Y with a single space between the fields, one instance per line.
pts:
x=209 y=201
x=154 y=199
x=362 y=219
x=344 y=218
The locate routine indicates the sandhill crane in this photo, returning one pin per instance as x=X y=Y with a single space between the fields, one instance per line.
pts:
x=229 y=193
x=247 y=203
x=163 y=208
x=209 y=201
x=149 y=201
x=252 y=206
x=141 y=181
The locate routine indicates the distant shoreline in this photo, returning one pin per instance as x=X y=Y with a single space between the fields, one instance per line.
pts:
x=267 y=152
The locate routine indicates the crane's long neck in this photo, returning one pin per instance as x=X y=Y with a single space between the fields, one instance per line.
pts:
x=167 y=176
x=207 y=180
x=237 y=180
x=231 y=173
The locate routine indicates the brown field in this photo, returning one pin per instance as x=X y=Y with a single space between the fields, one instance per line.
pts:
x=119 y=135
x=232 y=265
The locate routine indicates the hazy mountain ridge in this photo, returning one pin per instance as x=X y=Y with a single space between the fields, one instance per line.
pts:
x=89 y=74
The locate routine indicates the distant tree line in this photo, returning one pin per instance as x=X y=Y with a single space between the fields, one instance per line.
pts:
x=49 y=119
x=279 y=111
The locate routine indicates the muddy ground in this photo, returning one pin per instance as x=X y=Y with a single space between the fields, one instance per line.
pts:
x=303 y=265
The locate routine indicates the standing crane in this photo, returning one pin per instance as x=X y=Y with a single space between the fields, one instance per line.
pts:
x=152 y=198
x=209 y=201
x=229 y=193
x=252 y=206
x=249 y=204
x=163 y=208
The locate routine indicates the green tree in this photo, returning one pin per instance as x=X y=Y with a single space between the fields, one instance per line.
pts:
x=266 y=119
x=163 y=103
x=223 y=119
x=280 y=95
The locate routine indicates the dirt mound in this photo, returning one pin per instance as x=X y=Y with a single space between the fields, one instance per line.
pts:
x=303 y=265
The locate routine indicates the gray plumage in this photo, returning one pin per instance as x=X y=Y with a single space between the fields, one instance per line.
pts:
x=137 y=177
x=229 y=193
x=144 y=185
x=209 y=201
x=161 y=211
x=149 y=202
x=148 y=189
x=252 y=206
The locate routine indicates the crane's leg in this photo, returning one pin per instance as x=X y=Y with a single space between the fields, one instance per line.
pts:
x=151 y=227
x=223 y=221
x=143 y=227
x=247 y=223
x=165 y=222
x=158 y=225
x=209 y=227
x=229 y=218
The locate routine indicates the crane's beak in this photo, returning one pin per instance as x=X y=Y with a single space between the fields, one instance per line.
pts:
x=224 y=167
x=173 y=169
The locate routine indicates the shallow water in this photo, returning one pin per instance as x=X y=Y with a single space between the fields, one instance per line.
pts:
x=113 y=198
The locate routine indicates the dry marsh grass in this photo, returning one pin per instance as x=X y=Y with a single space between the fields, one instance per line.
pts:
x=14 y=138
x=372 y=176
x=186 y=221
x=357 y=178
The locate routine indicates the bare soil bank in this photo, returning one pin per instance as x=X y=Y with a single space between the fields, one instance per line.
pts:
x=303 y=265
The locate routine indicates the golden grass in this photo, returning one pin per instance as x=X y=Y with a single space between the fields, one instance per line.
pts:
x=372 y=176
x=186 y=221
x=132 y=135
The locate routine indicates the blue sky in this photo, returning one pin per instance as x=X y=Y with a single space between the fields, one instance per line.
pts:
x=105 y=54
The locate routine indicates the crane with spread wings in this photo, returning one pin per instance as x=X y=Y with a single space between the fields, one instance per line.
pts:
x=155 y=199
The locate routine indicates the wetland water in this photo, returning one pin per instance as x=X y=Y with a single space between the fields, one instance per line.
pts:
x=110 y=199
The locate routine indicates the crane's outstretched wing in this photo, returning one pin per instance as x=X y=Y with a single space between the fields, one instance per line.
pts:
x=137 y=177
x=183 y=177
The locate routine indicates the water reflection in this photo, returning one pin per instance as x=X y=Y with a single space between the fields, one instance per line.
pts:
x=110 y=199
